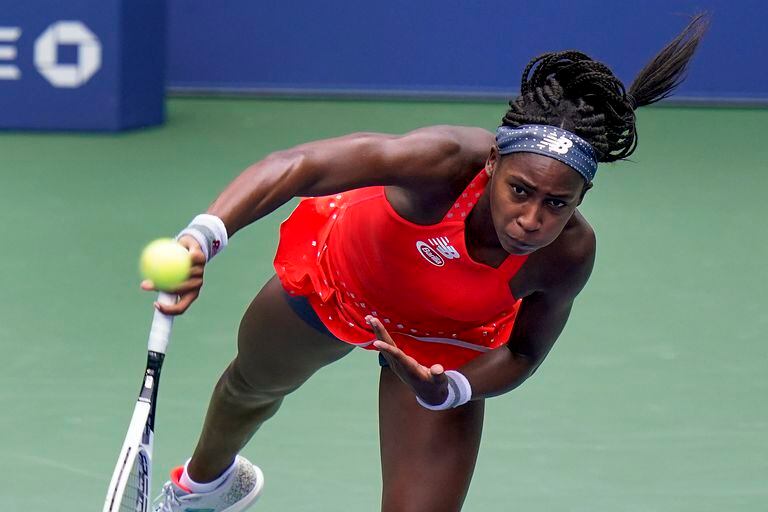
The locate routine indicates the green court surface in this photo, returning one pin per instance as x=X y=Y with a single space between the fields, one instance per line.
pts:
x=654 y=399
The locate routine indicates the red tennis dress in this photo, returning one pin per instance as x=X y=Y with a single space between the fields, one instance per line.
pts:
x=352 y=255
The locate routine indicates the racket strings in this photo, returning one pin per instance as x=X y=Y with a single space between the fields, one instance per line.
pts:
x=136 y=493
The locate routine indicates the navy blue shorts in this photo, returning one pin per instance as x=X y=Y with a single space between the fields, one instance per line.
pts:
x=303 y=309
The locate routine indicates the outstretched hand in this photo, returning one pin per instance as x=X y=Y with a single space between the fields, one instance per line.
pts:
x=429 y=384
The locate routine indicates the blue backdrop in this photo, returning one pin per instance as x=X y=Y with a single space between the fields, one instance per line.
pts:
x=82 y=64
x=470 y=47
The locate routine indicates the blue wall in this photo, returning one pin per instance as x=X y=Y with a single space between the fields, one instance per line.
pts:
x=82 y=64
x=473 y=47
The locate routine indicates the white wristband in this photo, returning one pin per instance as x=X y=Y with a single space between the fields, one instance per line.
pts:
x=210 y=232
x=459 y=392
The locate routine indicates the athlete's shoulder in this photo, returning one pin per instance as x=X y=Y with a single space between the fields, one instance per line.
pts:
x=445 y=159
x=448 y=147
x=456 y=134
x=468 y=140
x=423 y=158
x=462 y=135
x=568 y=261
x=577 y=243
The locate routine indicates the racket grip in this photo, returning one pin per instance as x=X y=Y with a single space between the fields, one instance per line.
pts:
x=160 y=332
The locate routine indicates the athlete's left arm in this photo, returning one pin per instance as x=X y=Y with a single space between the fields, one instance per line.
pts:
x=541 y=319
x=539 y=322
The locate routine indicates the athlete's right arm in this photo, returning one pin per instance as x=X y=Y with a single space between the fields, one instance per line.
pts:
x=421 y=159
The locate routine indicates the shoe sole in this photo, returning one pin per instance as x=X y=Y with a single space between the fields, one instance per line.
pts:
x=252 y=496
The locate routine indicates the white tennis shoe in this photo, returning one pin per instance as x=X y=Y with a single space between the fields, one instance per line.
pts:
x=238 y=492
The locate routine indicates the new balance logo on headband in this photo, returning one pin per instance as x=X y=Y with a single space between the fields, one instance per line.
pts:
x=550 y=141
x=558 y=145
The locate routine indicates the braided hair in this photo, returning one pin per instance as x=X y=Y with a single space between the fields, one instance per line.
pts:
x=570 y=90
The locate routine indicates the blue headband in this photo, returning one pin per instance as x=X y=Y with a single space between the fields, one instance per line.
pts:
x=549 y=141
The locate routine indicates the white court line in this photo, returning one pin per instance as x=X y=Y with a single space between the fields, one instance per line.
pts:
x=51 y=463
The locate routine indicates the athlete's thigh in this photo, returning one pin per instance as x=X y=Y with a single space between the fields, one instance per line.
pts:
x=427 y=457
x=277 y=350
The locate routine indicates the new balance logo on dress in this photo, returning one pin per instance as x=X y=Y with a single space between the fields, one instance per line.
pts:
x=440 y=248
x=443 y=247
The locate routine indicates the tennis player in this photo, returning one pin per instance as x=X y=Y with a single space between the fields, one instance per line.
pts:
x=455 y=252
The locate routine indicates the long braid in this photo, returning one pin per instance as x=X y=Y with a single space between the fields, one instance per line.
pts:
x=570 y=90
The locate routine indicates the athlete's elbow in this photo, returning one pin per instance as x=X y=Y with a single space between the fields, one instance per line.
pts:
x=297 y=167
x=291 y=159
x=523 y=367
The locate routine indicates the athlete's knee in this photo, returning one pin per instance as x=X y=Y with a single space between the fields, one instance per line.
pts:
x=237 y=386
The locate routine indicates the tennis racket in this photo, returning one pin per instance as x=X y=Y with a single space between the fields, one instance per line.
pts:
x=129 y=489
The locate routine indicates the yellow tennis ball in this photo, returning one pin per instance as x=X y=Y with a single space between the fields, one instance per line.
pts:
x=166 y=263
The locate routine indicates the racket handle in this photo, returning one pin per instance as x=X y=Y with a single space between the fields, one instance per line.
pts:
x=160 y=333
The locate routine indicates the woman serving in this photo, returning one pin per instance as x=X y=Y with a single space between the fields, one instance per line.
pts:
x=455 y=252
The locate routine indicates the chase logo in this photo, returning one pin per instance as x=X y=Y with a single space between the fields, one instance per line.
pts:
x=47 y=61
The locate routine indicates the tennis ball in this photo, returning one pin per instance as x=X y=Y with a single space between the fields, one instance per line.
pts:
x=166 y=263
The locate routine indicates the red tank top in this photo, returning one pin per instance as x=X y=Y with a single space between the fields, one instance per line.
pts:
x=352 y=255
